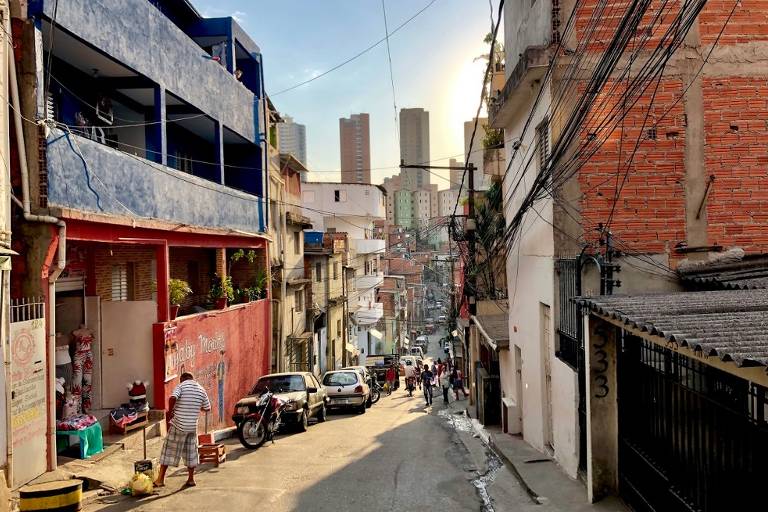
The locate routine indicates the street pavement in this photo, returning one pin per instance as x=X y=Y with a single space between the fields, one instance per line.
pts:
x=399 y=455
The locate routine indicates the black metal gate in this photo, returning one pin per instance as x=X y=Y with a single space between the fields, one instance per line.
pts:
x=691 y=437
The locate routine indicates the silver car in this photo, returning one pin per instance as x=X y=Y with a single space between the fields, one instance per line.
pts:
x=346 y=389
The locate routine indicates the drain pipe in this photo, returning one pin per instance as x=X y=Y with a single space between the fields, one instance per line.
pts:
x=54 y=273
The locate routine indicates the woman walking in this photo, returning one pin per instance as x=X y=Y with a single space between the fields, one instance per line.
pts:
x=458 y=383
x=445 y=383
x=427 y=376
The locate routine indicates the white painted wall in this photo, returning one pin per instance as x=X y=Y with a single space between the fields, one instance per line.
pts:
x=531 y=283
x=356 y=200
x=525 y=25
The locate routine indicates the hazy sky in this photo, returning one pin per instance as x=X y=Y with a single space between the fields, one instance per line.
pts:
x=432 y=61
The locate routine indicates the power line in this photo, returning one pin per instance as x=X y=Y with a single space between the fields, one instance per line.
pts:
x=391 y=74
x=357 y=55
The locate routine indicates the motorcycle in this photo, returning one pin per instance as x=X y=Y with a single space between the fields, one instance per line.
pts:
x=410 y=385
x=376 y=390
x=261 y=423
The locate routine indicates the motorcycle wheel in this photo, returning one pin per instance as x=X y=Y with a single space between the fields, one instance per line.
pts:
x=375 y=395
x=252 y=434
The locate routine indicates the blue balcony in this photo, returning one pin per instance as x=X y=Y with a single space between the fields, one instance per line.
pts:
x=191 y=57
x=86 y=175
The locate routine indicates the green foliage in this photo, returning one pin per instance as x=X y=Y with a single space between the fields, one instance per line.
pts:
x=178 y=290
x=222 y=288
x=494 y=138
x=239 y=254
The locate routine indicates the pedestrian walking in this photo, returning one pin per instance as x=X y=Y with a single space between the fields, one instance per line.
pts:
x=433 y=369
x=427 y=374
x=457 y=380
x=390 y=378
x=184 y=406
x=445 y=383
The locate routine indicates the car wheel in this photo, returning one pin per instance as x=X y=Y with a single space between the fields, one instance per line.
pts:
x=361 y=409
x=322 y=415
x=369 y=402
x=303 y=421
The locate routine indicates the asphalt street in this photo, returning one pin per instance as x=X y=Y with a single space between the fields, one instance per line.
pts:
x=399 y=455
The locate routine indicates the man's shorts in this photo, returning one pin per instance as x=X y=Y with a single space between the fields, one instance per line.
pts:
x=179 y=445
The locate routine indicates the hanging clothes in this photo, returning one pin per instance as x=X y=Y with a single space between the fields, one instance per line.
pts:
x=82 y=370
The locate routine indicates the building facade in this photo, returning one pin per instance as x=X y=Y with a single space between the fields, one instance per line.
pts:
x=680 y=195
x=355 y=142
x=140 y=176
x=293 y=139
x=414 y=147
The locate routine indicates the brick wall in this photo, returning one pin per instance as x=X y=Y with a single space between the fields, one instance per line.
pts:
x=650 y=212
x=748 y=23
x=108 y=256
x=736 y=154
x=242 y=271
x=196 y=267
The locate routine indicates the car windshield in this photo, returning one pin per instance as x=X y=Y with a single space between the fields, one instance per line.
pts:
x=340 y=379
x=279 y=384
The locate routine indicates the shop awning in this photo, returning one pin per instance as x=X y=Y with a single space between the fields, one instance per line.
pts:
x=728 y=324
x=303 y=336
x=494 y=330
x=376 y=333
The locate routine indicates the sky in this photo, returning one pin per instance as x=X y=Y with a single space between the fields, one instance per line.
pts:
x=432 y=64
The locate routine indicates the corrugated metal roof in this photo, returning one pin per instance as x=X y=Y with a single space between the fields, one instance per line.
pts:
x=495 y=329
x=747 y=273
x=732 y=325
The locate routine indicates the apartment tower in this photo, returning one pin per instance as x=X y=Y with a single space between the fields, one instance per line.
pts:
x=355 y=141
x=414 y=147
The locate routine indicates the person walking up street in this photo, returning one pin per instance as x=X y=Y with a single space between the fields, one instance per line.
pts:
x=427 y=375
x=445 y=383
x=184 y=406
x=390 y=378
x=458 y=383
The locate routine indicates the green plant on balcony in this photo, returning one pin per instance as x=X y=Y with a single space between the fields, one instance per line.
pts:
x=493 y=139
x=178 y=290
x=222 y=291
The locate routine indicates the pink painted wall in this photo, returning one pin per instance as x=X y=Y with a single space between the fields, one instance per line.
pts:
x=194 y=343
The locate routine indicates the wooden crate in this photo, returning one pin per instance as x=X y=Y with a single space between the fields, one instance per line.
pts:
x=215 y=453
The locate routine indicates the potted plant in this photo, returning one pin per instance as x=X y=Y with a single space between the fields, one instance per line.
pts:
x=178 y=290
x=222 y=291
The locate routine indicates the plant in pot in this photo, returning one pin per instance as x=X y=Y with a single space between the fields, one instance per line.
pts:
x=178 y=290
x=222 y=291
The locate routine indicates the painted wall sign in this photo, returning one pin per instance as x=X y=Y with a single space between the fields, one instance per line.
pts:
x=226 y=351
x=28 y=403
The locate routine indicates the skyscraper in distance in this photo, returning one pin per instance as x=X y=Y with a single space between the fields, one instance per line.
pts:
x=476 y=157
x=456 y=174
x=355 y=145
x=293 y=139
x=414 y=147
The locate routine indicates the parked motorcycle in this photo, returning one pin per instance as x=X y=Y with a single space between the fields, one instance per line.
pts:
x=376 y=390
x=261 y=423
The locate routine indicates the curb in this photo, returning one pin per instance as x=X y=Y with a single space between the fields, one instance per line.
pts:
x=487 y=438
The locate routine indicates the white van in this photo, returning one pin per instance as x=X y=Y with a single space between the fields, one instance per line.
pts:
x=416 y=351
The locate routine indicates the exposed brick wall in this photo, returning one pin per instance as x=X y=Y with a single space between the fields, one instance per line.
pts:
x=650 y=212
x=107 y=256
x=736 y=154
x=244 y=273
x=181 y=268
x=748 y=23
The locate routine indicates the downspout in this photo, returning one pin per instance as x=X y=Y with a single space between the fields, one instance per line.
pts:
x=53 y=274
x=283 y=270
x=264 y=140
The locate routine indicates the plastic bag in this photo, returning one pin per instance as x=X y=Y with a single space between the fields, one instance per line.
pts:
x=141 y=485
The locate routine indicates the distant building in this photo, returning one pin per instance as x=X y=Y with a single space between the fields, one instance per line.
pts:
x=293 y=139
x=391 y=185
x=355 y=146
x=458 y=174
x=414 y=146
x=476 y=157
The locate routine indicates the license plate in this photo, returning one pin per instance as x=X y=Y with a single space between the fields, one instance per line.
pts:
x=341 y=400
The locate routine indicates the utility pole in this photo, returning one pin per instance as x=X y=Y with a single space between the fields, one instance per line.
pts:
x=470 y=234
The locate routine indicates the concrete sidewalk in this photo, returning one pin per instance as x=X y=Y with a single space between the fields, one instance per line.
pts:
x=545 y=482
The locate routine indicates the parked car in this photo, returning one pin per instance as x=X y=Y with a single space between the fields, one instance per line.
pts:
x=441 y=318
x=418 y=352
x=304 y=396
x=347 y=389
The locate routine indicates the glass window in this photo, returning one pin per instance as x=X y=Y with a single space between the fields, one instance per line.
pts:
x=318 y=272
x=279 y=384
x=340 y=379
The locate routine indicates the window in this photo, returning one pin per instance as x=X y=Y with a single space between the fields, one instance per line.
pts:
x=318 y=272
x=542 y=144
x=338 y=327
x=340 y=196
x=298 y=300
x=335 y=270
x=297 y=242
x=123 y=281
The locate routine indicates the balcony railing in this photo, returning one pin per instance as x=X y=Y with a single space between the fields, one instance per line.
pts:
x=88 y=176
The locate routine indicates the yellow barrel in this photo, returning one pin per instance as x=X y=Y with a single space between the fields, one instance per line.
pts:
x=59 y=496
